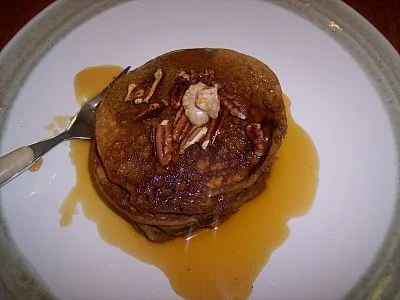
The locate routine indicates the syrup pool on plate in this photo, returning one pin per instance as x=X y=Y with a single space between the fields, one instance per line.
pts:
x=36 y=165
x=59 y=122
x=238 y=249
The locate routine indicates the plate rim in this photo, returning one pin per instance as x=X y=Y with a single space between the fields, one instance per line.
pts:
x=376 y=56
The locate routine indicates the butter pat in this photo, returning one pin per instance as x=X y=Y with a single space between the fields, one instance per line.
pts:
x=208 y=101
x=201 y=103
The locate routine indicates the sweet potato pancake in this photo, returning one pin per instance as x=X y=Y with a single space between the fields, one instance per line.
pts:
x=184 y=140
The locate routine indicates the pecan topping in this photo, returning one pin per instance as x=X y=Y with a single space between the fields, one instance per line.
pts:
x=209 y=77
x=210 y=129
x=131 y=87
x=256 y=135
x=144 y=91
x=178 y=115
x=163 y=142
x=200 y=94
x=178 y=89
x=213 y=129
x=149 y=111
x=191 y=138
x=182 y=126
x=232 y=104
x=153 y=139
x=196 y=77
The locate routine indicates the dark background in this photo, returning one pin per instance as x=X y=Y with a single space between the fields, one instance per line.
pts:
x=383 y=14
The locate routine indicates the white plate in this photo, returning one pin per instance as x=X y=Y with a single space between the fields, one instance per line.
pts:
x=341 y=76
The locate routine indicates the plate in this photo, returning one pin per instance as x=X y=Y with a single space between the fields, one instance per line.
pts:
x=342 y=77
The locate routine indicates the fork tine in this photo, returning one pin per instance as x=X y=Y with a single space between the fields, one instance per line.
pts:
x=88 y=109
x=96 y=100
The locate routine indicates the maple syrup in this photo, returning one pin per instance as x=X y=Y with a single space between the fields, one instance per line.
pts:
x=36 y=165
x=58 y=123
x=238 y=249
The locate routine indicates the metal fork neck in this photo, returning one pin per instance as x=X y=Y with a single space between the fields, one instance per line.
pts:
x=44 y=146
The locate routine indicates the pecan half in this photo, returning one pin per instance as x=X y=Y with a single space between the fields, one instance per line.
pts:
x=191 y=138
x=153 y=139
x=232 y=104
x=178 y=89
x=213 y=129
x=196 y=77
x=142 y=90
x=149 y=111
x=256 y=135
x=182 y=126
x=145 y=90
x=210 y=130
x=178 y=115
x=163 y=142
x=131 y=87
x=209 y=77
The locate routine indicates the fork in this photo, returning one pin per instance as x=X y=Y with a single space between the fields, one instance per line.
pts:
x=81 y=126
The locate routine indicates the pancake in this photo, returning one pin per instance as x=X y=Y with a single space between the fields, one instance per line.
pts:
x=184 y=140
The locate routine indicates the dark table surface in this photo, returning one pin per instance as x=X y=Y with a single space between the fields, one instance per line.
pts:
x=383 y=14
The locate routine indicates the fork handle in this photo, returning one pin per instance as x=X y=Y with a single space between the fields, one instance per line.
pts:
x=18 y=161
x=14 y=162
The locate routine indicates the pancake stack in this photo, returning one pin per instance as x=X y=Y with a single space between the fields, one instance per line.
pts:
x=184 y=140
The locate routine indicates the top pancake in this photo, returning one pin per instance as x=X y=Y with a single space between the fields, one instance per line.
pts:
x=196 y=182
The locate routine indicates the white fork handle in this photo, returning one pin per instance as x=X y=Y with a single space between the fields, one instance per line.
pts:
x=18 y=161
x=14 y=162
